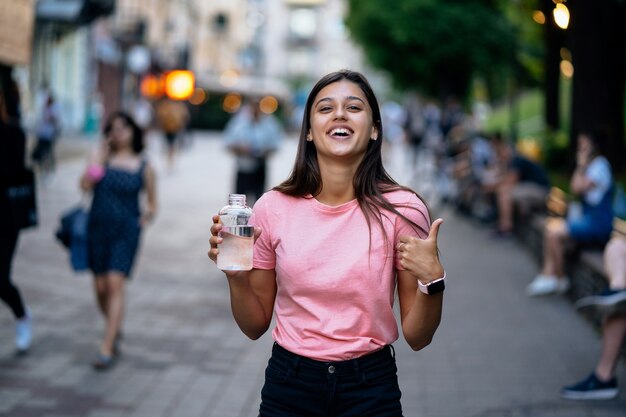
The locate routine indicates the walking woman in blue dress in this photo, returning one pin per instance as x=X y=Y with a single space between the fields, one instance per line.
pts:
x=118 y=176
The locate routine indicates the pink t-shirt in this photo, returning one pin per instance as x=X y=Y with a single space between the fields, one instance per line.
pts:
x=335 y=294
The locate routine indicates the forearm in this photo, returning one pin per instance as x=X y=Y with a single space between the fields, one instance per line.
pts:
x=579 y=181
x=247 y=307
x=421 y=322
x=85 y=183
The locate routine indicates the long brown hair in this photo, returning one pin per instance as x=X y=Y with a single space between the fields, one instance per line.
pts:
x=371 y=180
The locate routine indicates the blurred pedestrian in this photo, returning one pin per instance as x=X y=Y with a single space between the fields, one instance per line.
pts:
x=593 y=182
x=117 y=178
x=515 y=179
x=335 y=241
x=252 y=136
x=414 y=127
x=172 y=116
x=48 y=129
x=12 y=154
x=452 y=116
x=143 y=113
x=601 y=384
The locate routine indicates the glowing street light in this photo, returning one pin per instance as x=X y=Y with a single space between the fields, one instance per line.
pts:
x=561 y=15
x=179 y=84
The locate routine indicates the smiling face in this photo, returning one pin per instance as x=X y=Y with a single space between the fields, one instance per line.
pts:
x=341 y=120
x=121 y=134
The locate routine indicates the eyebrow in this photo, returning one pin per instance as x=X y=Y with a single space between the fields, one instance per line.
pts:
x=348 y=98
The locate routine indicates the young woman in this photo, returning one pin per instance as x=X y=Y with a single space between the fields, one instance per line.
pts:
x=593 y=182
x=117 y=178
x=335 y=241
x=12 y=149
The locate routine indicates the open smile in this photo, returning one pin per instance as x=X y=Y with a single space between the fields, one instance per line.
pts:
x=340 y=133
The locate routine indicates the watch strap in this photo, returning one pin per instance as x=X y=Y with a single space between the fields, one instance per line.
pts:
x=434 y=286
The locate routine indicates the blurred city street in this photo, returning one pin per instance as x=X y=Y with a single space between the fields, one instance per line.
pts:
x=497 y=352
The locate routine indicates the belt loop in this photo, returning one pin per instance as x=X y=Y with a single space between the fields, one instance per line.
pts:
x=393 y=351
x=355 y=365
x=296 y=365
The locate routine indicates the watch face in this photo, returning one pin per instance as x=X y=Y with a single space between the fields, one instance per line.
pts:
x=436 y=286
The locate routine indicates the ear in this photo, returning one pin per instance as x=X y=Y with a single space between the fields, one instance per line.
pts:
x=309 y=137
x=374 y=134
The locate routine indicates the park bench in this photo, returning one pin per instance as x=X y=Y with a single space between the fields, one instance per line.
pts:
x=591 y=276
x=583 y=263
x=529 y=225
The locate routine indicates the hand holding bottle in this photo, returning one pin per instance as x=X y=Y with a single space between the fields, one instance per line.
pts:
x=234 y=236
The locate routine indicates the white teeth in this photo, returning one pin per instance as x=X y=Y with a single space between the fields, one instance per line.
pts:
x=340 y=132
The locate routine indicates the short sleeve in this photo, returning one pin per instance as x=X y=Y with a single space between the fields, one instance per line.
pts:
x=598 y=172
x=417 y=212
x=264 y=253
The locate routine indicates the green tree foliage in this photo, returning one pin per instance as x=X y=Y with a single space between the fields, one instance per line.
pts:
x=436 y=46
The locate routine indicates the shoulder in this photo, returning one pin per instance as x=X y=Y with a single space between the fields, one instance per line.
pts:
x=408 y=203
x=275 y=199
x=599 y=167
x=404 y=198
x=273 y=207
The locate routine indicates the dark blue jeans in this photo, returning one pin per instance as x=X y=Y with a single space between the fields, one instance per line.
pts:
x=296 y=386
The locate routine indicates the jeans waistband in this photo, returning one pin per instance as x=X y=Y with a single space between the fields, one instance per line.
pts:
x=349 y=365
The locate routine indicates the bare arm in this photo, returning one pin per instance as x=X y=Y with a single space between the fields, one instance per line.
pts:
x=97 y=160
x=420 y=313
x=579 y=183
x=151 y=195
x=252 y=293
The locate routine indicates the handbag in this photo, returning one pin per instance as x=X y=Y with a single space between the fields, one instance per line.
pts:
x=72 y=234
x=18 y=200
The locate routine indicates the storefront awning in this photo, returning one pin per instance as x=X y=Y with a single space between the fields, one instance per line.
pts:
x=78 y=12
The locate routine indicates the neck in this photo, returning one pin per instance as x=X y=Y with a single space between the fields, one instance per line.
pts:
x=337 y=182
x=123 y=152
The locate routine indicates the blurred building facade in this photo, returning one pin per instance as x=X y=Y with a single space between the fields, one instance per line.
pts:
x=92 y=54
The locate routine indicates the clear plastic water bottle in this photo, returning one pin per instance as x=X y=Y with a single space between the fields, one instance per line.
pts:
x=236 y=249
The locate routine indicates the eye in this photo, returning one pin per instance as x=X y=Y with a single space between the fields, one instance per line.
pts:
x=324 y=109
x=354 y=107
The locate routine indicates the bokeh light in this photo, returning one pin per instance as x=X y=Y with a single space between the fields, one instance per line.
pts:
x=561 y=15
x=268 y=104
x=151 y=87
x=539 y=17
x=179 y=84
x=229 y=78
x=567 y=69
x=232 y=102
x=198 y=97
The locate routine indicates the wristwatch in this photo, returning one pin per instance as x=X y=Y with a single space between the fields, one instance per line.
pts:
x=433 y=287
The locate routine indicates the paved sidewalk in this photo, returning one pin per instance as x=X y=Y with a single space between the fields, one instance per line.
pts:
x=497 y=352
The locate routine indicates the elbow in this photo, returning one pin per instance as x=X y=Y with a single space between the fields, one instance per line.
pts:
x=421 y=344
x=254 y=332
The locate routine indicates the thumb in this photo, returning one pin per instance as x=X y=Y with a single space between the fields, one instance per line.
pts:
x=257 y=233
x=434 y=229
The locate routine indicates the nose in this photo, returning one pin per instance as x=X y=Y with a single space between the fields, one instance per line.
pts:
x=340 y=112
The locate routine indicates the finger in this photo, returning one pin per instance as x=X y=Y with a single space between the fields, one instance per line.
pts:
x=216 y=219
x=216 y=228
x=215 y=240
x=212 y=253
x=434 y=229
x=257 y=232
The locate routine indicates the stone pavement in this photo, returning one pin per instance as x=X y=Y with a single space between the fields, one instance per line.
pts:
x=496 y=354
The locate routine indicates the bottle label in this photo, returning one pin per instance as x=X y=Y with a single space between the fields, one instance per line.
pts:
x=234 y=219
